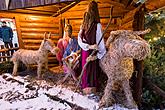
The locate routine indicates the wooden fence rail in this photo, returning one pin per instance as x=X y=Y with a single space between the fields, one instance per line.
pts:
x=6 y=53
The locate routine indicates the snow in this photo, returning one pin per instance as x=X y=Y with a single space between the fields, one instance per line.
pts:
x=41 y=101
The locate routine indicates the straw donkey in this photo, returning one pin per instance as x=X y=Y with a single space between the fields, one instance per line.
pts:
x=124 y=46
x=39 y=57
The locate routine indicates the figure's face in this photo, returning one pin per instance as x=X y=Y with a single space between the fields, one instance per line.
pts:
x=68 y=32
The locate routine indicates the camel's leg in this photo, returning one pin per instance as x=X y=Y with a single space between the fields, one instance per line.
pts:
x=39 y=68
x=15 y=68
x=28 y=67
x=46 y=65
x=127 y=90
x=107 y=99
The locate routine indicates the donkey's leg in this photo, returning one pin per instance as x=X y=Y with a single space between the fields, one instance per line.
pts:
x=107 y=99
x=39 y=68
x=127 y=90
x=15 y=68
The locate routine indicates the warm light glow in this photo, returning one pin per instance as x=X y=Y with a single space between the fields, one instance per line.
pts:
x=155 y=38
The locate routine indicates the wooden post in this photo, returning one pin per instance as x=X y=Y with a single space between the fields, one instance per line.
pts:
x=61 y=27
x=66 y=21
x=3 y=53
x=21 y=45
x=138 y=24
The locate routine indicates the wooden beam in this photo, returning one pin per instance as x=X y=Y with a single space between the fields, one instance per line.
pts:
x=47 y=8
x=114 y=3
x=24 y=11
x=33 y=3
x=39 y=19
x=37 y=25
x=40 y=30
x=64 y=9
x=39 y=10
x=154 y=4
x=32 y=14
x=27 y=35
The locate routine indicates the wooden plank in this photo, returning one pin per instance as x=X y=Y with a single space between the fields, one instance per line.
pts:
x=128 y=25
x=112 y=2
x=52 y=58
x=154 y=4
x=104 y=12
x=5 y=50
x=39 y=19
x=5 y=56
x=28 y=35
x=32 y=47
x=100 y=6
x=40 y=30
x=37 y=41
x=52 y=8
x=31 y=11
x=3 y=15
x=38 y=25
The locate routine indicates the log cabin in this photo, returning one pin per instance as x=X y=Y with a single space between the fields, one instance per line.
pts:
x=34 y=17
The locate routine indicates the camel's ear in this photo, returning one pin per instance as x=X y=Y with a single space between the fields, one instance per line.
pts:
x=49 y=36
x=112 y=37
x=109 y=40
x=45 y=36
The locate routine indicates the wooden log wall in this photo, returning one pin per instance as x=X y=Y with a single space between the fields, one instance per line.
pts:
x=75 y=14
x=31 y=30
x=122 y=18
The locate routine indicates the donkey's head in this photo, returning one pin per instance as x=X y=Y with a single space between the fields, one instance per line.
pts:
x=129 y=44
x=48 y=44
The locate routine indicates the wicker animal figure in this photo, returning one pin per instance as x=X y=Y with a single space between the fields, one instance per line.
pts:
x=39 y=57
x=124 y=46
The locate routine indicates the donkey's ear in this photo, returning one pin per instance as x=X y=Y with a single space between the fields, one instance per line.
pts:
x=45 y=36
x=49 y=36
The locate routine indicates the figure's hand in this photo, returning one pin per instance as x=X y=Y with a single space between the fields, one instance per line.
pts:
x=95 y=46
x=56 y=50
x=91 y=58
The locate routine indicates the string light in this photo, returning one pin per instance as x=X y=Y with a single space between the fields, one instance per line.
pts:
x=155 y=38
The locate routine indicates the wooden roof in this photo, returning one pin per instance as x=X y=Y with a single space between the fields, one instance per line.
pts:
x=154 y=4
x=56 y=7
x=37 y=7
